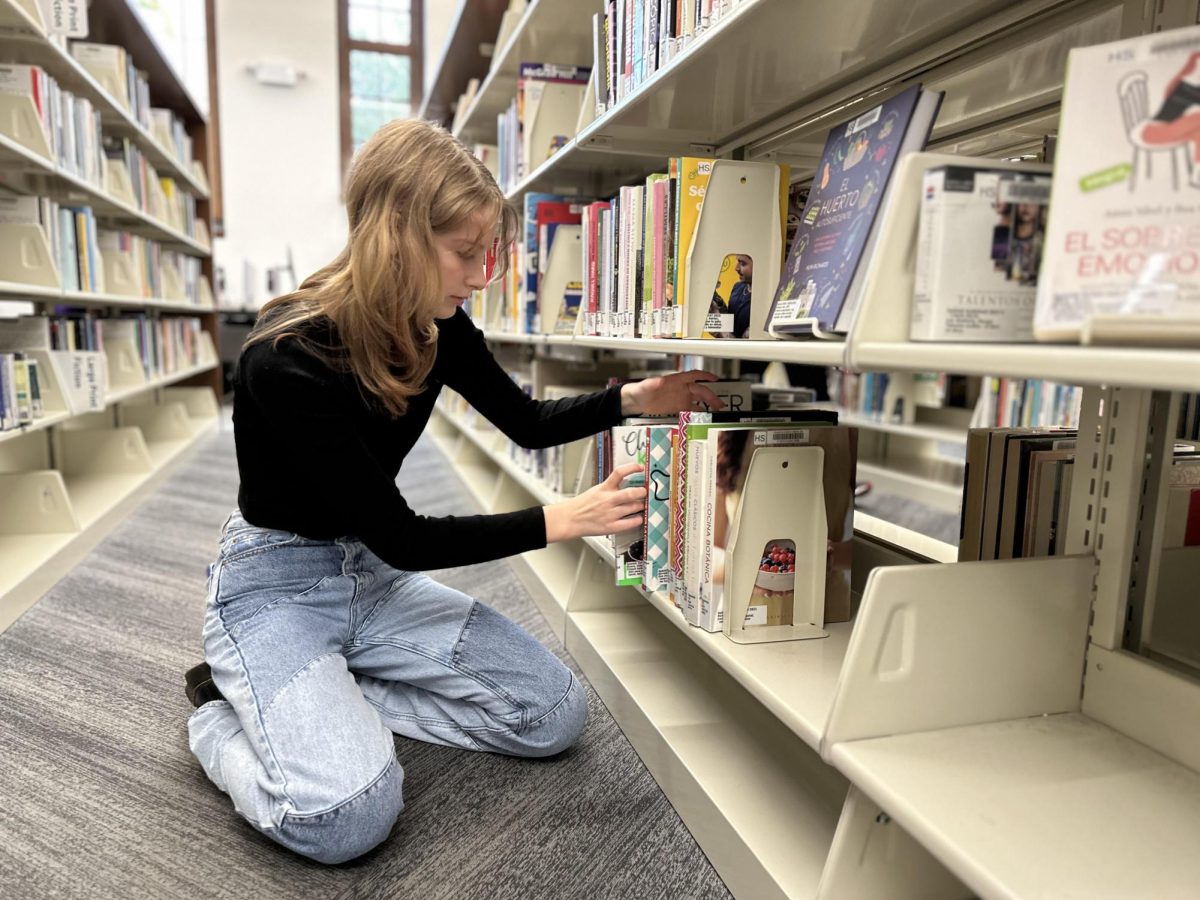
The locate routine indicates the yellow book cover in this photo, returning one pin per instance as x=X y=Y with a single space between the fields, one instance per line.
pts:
x=692 y=182
x=82 y=239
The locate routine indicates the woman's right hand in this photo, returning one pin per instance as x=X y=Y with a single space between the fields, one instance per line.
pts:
x=606 y=508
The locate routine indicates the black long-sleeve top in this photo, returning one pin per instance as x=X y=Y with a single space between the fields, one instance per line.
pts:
x=318 y=458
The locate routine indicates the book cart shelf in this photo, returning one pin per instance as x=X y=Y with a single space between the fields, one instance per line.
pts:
x=981 y=728
x=69 y=477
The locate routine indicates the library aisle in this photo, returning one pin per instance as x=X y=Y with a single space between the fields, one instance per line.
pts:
x=908 y=612
x=103 y=798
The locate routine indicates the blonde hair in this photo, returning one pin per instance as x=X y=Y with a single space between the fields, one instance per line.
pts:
x=410 y=181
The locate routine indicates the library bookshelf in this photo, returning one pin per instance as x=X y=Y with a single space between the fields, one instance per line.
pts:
x=991 y=729
x=68 y=477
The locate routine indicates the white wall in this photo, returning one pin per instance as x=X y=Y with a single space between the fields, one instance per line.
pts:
x=280 y=147
x=439 y=16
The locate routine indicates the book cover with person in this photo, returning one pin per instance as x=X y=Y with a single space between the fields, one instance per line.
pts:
x=1123 y=240
x=979 y=244
x=820 y=279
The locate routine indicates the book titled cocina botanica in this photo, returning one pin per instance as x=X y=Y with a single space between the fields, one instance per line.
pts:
x=1123 y=239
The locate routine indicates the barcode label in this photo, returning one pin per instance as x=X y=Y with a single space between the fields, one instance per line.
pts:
x=1024 y=192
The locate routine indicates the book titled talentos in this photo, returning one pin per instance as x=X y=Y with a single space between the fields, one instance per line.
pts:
x=1123 y=240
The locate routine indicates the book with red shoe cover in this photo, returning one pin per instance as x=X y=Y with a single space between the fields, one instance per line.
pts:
x=1122 y=255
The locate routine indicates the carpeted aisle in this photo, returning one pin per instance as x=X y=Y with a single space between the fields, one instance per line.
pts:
x=100 y=797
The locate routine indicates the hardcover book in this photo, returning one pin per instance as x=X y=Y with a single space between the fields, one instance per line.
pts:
x=822 y=278
x=1123 y=242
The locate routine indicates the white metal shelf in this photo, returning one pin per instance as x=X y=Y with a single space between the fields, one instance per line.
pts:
x=769 y=60
x=551 y=31
x=14 y=290
x=914 y=478
x=31 y=563
x=1056 y=806
x=763 y=810
x=574 y=170
x=795 y=680
x=48 y=421
x=69 y=188
x=160 y=382
x=943 y=434
x=30 y=44
x=111 y=398
x=505 y=337
x=820 y=353
x=1162 y=368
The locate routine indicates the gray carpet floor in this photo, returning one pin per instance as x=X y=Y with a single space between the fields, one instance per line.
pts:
x=100 y=797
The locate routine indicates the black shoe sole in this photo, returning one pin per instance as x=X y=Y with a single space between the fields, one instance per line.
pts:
x=199 y=686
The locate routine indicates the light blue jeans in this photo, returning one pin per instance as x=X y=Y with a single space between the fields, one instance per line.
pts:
x=322 y=650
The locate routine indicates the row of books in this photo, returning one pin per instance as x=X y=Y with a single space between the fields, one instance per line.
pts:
x=164 y=345
x=80 y=250
x=70 y=124
x=112 y=66
x=160 y=197
x=633 y=39
x=695 y=468
x=1026 y=403
x=541 y=118
x=71 y=232
x=20 y=391
x=886 y=396
x=992 y=263
x=1016 y=499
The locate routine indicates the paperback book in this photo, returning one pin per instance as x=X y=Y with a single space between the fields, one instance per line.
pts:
x=979 y=246
x=1123 y=244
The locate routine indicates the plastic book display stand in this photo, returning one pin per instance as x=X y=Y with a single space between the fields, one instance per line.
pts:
x=121 y=276
x=783 y=500
x=25 y=256
x=19 y=121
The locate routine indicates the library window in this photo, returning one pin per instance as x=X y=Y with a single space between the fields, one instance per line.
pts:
x=380 y=48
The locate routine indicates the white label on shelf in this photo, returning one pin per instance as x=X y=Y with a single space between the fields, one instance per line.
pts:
x=718 y=322
x=756 y=615
x=66 y=17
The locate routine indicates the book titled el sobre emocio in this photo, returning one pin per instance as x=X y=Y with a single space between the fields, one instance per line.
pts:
x=1123 y=239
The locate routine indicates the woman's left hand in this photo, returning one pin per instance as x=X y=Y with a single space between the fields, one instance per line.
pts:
x=666 y=394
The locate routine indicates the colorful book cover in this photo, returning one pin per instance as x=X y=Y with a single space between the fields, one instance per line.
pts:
x=658 y=512
x=628 y=445
x=693 y=175
x=1122 y=237
x=851 y=177
x=679 y=507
